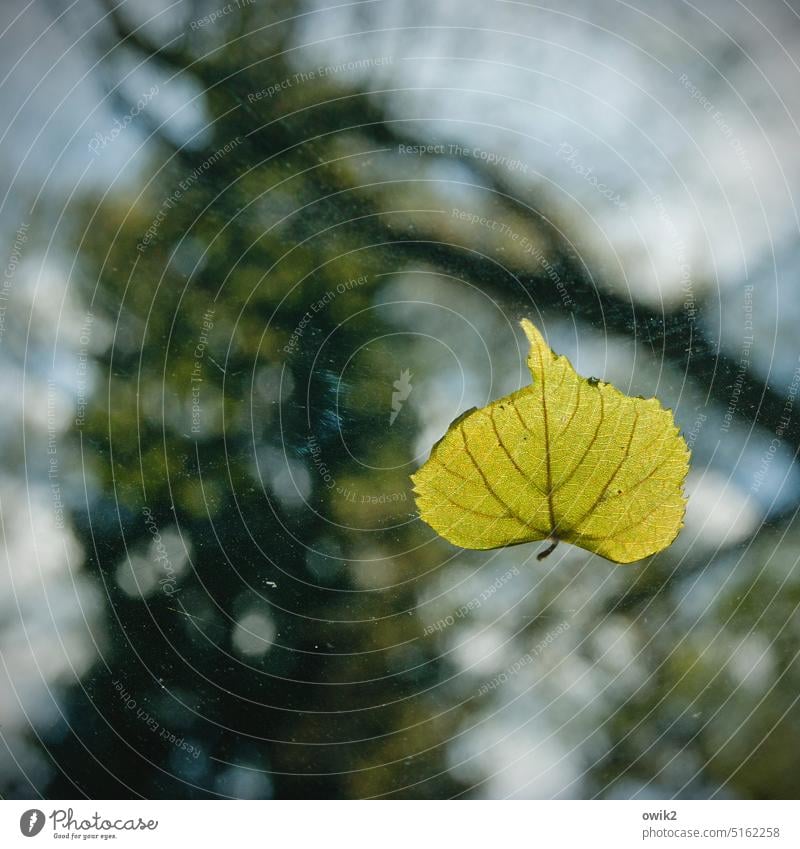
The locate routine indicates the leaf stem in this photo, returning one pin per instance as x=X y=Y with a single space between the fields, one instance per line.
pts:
x=549 y=550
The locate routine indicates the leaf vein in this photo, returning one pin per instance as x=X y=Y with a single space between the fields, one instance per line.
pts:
x=471 y=510
x=526 y=477
x=625 y=455
x=488 y=486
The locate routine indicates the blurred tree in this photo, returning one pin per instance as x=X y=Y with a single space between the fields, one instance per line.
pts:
x=283 y=655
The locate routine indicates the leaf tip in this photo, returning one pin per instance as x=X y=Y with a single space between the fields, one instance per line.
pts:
x=533 y=333
x=540 y=352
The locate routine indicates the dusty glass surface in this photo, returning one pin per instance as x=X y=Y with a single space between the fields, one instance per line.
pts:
x=256 y=261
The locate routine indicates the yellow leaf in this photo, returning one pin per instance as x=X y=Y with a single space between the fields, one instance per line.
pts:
x=563 y=459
